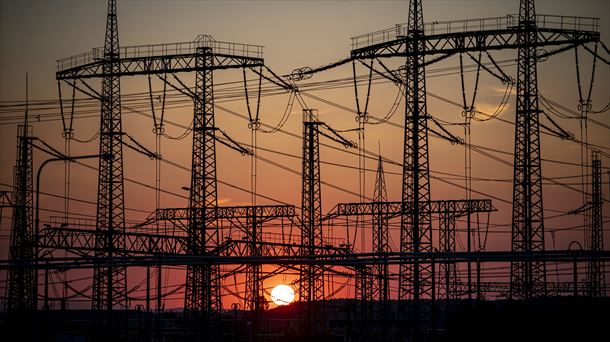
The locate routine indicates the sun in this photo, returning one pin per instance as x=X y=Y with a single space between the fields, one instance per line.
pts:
x=282 y=295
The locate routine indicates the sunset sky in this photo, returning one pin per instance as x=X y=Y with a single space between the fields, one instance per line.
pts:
x=295 y=34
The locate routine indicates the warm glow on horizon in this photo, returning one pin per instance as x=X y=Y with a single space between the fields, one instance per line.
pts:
x=282 y=295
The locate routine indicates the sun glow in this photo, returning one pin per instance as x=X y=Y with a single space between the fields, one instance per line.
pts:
x=282 y=295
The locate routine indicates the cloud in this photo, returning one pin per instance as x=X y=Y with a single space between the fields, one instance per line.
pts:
x=502 y=89
x=491 y=109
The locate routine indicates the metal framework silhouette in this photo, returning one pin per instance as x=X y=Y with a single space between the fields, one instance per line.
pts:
x=109 y=249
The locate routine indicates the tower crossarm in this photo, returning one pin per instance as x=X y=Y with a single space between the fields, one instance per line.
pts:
x=474 y=35
x=82 y=242
x=279 y=249
x=162 y=58
x=393 y=209
x=263 y=213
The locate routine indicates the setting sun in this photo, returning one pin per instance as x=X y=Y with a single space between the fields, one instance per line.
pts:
x=282 y=295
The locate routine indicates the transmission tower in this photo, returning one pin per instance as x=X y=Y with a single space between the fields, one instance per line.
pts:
x=528 y=278
x=380 y=291
x=447 y=283
x=22 y=280
x=110 y=283
x=203 y=56
x=415 y=232
x=202 y=299
x=595 y=267
x=311 y=287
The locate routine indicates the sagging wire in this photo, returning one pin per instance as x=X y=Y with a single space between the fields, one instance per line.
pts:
x=293 y=94
x=595 y=55
x=362 y=118
x=233 y=144
x=400 y=94
x=139 y=147
x=94 y=95
x=68 y=135
x=585 y=106
x=468 y=113
x=254 y=125
x=159 y=131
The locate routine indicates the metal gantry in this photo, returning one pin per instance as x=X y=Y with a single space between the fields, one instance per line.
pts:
x=107 y=245
x=526 y=33
x=202 y=56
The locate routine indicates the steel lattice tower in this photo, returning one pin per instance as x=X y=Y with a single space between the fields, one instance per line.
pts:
x=595 y=267
x=380 y=241
x=311 y=287
x=528 y=278
x=447 y=283
x=415 y=231
x=21 y=276
x=254 y=282
x=202 y=299
x=110 y=283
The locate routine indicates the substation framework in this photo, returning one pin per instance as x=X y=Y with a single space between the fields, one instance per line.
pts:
x=109 y=247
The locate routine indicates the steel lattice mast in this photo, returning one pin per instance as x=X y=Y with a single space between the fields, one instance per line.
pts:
x=21 y=278
x=595 y=267
x=311 y=287
x=110 y=283
x=202 y=299
x=447 y=283
x=203 y=56
x=528 y=278
x=415 y=228
x=380 y=241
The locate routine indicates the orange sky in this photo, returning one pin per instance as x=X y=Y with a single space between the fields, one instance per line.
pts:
x=295 y=34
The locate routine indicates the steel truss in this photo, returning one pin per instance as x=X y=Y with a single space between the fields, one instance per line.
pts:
x=527 y=33
x=21 y=278
x=203 y=56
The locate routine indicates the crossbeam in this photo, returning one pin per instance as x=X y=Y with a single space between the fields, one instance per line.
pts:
x=334 y=259
x=162 y=58
x=82 y=242
x=393 y=209
x=474 y=35
x=263 y=212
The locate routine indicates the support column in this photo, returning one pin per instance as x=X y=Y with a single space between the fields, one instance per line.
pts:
x=311 y=287
x=22 y=282
x=254 y=283
x=416 y=228
x=110 y=283
x=202 y=300
x=595 y=267
x=528 y=278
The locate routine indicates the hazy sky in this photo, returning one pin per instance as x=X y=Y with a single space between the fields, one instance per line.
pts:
x=34 y=34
